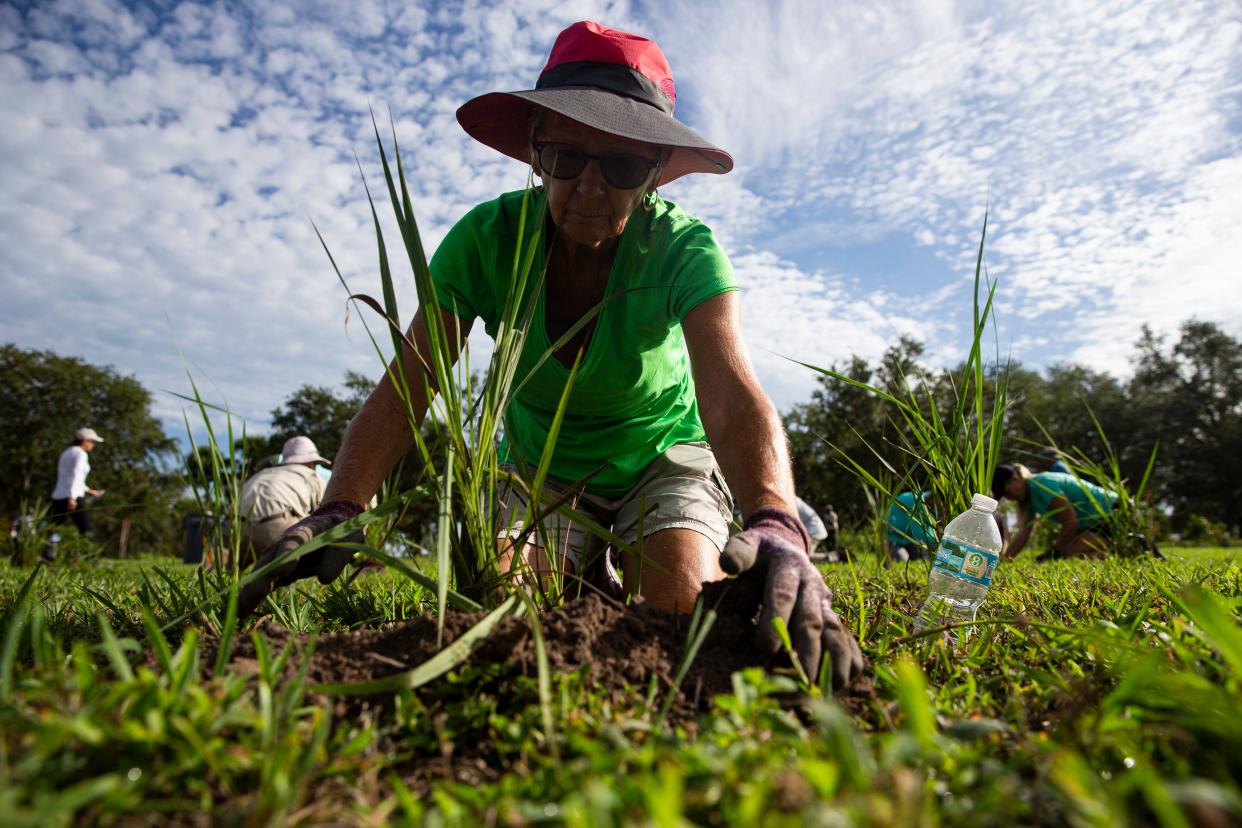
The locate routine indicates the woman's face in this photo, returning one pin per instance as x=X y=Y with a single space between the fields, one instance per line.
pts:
x=1015 y=488
x=587 y=210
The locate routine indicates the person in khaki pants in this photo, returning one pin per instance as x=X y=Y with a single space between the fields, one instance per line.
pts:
x=279 y=496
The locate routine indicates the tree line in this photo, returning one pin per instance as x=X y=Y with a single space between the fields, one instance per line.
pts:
x=1184 y=399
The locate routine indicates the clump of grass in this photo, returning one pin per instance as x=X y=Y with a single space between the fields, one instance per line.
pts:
x=467 y=415
x=216 y=472
x=30 y=534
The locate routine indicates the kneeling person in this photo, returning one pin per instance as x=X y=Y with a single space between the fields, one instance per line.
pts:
x=279 y=496
x=665 y=403
x=1082 y=509
x=911 y=527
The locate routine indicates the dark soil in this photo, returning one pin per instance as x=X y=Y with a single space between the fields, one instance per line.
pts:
x=623 y=648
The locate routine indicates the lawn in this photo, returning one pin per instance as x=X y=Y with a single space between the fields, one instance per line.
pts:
x=1091 y=693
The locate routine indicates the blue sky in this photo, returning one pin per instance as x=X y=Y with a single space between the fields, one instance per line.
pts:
x=161 y=164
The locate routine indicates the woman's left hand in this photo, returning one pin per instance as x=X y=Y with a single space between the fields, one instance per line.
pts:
x=773 y=548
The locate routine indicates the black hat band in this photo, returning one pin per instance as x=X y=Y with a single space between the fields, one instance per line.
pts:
x=610 y=77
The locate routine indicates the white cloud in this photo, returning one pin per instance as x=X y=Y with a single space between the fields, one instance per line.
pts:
x=812 y=318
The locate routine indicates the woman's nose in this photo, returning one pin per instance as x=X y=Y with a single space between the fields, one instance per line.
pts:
x=591 y=179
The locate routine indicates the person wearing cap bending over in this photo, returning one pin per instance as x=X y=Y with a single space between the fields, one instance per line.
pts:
x=69 y=496
x=1050 y=458
x=665 y=398
x=275 y=498
x=911 y=527
x=1080 y=508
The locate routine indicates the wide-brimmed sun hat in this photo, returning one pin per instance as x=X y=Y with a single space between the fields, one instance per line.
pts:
x=605 y=79
x=301 y=449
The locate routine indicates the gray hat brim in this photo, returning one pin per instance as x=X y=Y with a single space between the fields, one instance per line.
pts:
x=499 y=120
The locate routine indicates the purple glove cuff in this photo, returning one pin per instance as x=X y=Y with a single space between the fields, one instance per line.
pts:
x=781 y=523
x=338 y=510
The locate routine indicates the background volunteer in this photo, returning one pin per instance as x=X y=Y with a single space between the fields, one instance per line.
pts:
x=69 y=496
x=279 y=496
x=1081 y=508
x=911 y=527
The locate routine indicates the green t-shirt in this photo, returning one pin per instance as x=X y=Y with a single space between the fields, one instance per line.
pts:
x=910 y=521
x=1091 y=503
x=633 y=396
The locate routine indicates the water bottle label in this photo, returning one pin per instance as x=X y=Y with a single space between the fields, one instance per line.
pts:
x=965 y=561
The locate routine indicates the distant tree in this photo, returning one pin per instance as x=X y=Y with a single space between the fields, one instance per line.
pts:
x=842 y=420
x=45 y=398
x=1061 y=407
x=250 y=453
x=1185 y=398
x=1189 y=397
x=320 y=413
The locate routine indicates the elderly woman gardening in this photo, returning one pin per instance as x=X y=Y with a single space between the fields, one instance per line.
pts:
x=664 y=390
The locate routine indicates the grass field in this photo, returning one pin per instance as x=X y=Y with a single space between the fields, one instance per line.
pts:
x=1094 y=693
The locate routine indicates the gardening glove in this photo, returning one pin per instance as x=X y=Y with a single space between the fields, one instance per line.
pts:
x=324 y=563
x=773 y=549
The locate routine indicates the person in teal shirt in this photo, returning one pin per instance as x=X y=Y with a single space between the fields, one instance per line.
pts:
x=1082 y=510
x=911 y=527
x=636 y=296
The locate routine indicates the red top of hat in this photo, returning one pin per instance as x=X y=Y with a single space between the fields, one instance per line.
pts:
x=591 y=41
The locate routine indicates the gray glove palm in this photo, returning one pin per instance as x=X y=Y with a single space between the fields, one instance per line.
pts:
x=773 y=550
x=324 y=563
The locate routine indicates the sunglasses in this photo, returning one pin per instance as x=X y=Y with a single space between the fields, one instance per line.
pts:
x=565 y=162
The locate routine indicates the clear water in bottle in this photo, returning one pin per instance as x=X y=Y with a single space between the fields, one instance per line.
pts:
x=962 y=571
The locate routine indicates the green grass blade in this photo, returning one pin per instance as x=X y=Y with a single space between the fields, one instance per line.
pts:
x=436 y=666
x=544 y=673
x=443 y=540
x=13 y=634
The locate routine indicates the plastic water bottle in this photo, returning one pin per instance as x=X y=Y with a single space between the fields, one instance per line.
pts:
x=962 y=571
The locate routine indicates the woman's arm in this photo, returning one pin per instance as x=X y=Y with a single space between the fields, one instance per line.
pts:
x=1027 y=523
x=749 y=443
x=742 y=425
x=381 y=432
x=1061 y=509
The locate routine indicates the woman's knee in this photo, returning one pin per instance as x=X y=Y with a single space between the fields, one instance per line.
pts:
x=671 y=568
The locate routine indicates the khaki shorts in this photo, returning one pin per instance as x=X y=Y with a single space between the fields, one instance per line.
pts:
x=681 y=489
x=261 y=535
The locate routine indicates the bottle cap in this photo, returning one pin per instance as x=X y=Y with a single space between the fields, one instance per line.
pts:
x=982 y=501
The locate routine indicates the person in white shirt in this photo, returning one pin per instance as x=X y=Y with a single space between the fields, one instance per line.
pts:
x=277 y=497
x=69 y=496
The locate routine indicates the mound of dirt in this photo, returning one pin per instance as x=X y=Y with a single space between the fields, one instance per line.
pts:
x=625 y=647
